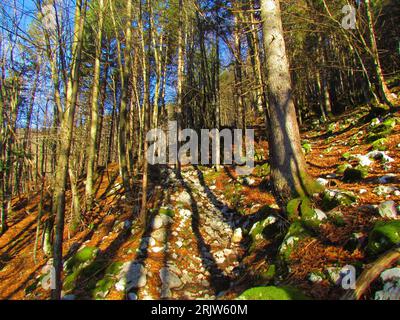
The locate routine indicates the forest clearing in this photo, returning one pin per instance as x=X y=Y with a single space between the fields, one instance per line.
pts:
x=200 y=150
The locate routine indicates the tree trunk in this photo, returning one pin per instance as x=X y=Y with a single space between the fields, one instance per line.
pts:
x=58 y=207
x=288 y=166
x=92 y=149
x=382 y=87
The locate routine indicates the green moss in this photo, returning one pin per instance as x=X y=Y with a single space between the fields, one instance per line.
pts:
x=384 y=236
x=167 y=211
x=355 y=174
x=293 y=209
x=273 y=293
x=309 y=217
x=256 y=231
x=114 y=268
x=337 y=218
x=307 y=148
x=269 y=274
x=83 y=256
x=334 y=198
x=295 y=233
x=343 y=167
x=103 y=287
x=70 y=281
x=346 y=155
x=380 y=144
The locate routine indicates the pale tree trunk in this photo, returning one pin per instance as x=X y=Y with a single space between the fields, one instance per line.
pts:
x=238 y=75
x=92 y=149
x=60 y=183
x=146 y=106
x=179 y=88
x=124 y=69
x=288 y=166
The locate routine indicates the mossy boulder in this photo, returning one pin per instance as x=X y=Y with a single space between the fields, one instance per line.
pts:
x=81 y=263
x=381 y=131
x=82 y=258
x=257 y=230
x=333 y=198
x=341 y=168
x=355 y=174
x=103 y=287
x=273 y=293
x=295 y=233
x=301 y=208
x=380 y=144
x=384 y=236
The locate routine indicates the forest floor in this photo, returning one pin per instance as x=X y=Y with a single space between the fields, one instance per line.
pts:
x=199 y=242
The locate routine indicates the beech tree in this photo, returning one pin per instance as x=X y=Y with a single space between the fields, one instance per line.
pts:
x=288 y=166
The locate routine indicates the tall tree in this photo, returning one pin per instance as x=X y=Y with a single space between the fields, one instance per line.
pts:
x=288 y=166
x=94 y=122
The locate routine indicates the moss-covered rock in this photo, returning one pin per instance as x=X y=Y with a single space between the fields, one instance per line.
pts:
x=256 y=232
x=384 y=236
x=355 y=174
x=381 y=131
x=311 y=218
x=333 y=198
x=103 y=287
x=307 y=148
x=81 y=263
x=380 y=144
x=341 y=168
x=295 y=233
x=82 y=257
x=273 y=293
x=301 y=208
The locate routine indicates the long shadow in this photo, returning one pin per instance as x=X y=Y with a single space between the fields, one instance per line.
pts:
x=86 y=281
x=23 y=285
x=218 y=281
x=230 y=216
x=17 y=236
x=143 y=254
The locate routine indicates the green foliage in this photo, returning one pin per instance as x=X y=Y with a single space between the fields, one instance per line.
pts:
x=384 y=236
x=273 y=293
x=307 y=148
x=380 y=144
x=355 y=174
x=334 y=198
x=343 y=167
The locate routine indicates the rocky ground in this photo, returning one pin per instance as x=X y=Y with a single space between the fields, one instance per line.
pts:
x=213 y=235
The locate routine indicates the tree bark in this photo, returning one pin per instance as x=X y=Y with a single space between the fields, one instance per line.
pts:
x=288 y=166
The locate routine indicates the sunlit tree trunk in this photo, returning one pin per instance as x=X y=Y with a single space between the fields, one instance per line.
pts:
x=288 y=166
x=66 y=130
x=94 y=122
